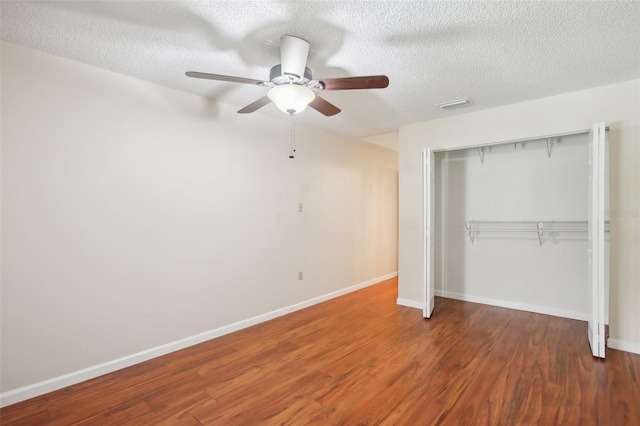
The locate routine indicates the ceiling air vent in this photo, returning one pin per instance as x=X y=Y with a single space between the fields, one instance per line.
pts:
x=455 y=104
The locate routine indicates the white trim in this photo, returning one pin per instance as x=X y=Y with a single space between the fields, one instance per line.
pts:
x=410 y=303
x=623 y=345
x=50 y=385
x=582 y=316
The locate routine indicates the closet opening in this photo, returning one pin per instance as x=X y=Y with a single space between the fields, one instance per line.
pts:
x=521 y=224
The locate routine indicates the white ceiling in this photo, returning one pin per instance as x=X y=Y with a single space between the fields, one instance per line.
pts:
x=495 y=53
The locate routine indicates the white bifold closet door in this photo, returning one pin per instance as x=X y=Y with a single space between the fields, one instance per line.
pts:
x=428 y=190
x=595 y=247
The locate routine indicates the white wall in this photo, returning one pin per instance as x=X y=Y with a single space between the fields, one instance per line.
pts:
x=618 y=105
x=134 y=215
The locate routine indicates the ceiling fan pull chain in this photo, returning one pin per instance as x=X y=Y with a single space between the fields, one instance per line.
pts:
x=293 y=137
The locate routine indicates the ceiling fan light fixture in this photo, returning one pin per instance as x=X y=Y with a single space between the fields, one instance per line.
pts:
x=291 y=98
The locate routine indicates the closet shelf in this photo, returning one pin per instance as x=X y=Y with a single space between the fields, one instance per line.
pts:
x=550 y=141
x=542 y=228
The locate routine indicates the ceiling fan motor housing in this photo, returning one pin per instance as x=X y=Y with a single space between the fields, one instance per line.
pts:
x=276 y=77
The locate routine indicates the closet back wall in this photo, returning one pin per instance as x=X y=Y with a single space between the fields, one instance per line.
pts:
x=134 y=215
x=518 y=182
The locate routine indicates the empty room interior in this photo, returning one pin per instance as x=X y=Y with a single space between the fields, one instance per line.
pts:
x=320 y=212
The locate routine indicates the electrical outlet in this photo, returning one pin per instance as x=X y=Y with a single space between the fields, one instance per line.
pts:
x=300 y=207
x=300 y=275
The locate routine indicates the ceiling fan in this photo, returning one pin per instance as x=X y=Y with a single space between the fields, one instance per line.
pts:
x=291 y=83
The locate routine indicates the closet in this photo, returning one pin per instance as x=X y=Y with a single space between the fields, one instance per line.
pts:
x=521 y=224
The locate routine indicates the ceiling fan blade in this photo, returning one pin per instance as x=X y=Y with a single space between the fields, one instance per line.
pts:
x=348 y=83
x=293 y=55
x=323 y=106
x=252 y=107
x=220 y=77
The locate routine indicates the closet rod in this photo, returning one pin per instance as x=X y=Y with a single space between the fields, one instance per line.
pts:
x=548 y=225
x=473 y=227
x=528 y=222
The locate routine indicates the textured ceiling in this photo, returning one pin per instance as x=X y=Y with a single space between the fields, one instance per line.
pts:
x=495 y=53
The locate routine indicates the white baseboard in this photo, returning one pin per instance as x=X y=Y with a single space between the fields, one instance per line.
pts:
x=623 y=345
x=497 y=302
x=50 y=385
x=513 y=305
x=410 y=303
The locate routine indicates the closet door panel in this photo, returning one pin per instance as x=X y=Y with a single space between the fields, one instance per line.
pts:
x=428 y=198
x=595 y=250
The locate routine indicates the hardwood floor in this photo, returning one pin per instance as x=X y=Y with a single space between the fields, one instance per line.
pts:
x=361 y=359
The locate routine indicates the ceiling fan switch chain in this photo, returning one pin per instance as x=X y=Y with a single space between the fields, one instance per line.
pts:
x=293 y=137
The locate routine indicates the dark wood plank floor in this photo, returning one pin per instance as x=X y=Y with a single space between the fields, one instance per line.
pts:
x=361 y=359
